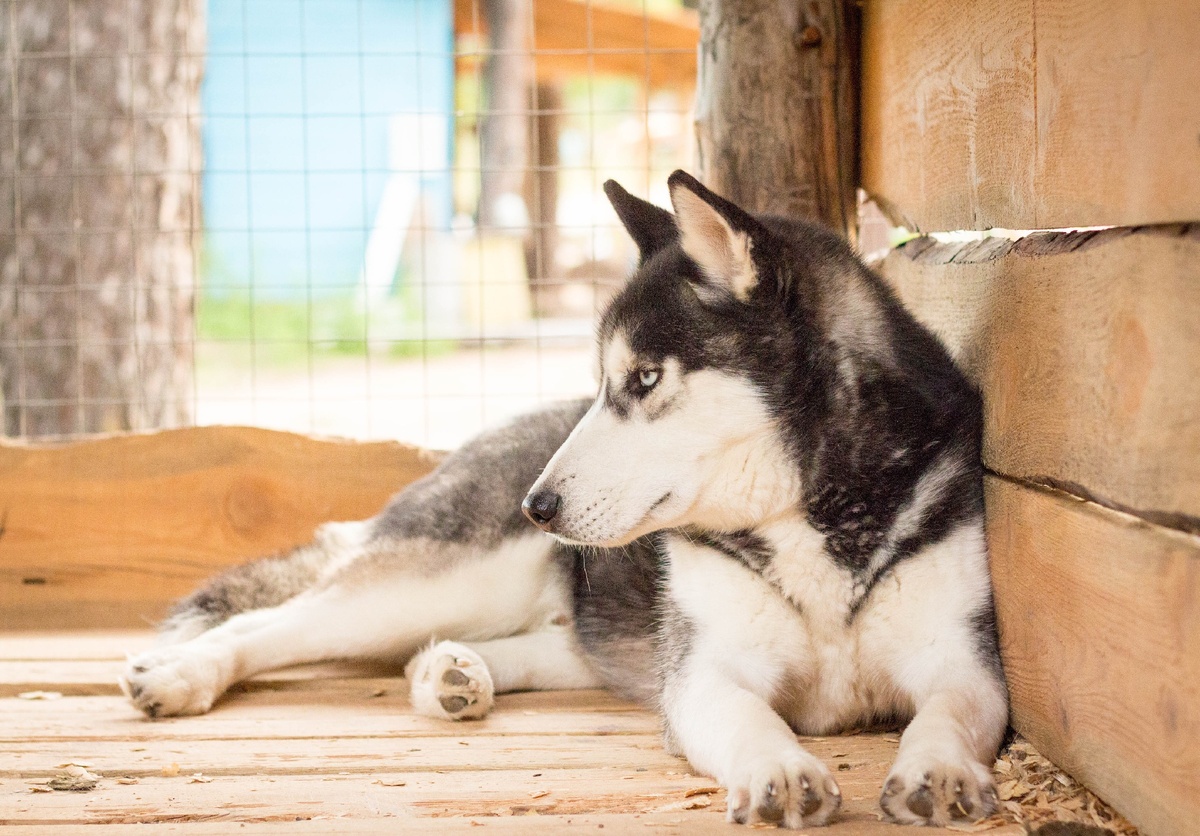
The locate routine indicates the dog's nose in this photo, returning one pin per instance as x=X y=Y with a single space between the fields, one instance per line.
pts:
x=542 y=507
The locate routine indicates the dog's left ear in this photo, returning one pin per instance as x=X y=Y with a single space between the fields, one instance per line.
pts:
x=717 y=235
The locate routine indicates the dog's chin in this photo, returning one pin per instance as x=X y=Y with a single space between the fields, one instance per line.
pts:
x=647 y=524
x=606 y=541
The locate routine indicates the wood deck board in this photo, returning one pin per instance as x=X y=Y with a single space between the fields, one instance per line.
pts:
x=319 y=752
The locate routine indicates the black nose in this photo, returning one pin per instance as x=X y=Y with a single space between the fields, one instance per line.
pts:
x=542 y=507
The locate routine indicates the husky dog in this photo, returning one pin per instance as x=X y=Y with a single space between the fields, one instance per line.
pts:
x=768 y=522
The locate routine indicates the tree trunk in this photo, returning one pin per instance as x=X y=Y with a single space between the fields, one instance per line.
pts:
x=777 y=106
x=99 y=211
x=542 y=197
x=504 y=128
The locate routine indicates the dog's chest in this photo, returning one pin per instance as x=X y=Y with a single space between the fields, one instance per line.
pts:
x=784 y=619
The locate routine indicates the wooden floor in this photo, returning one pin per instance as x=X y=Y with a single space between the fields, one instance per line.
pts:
x=339 y=751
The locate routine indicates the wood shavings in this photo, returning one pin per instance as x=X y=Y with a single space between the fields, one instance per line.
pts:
x=40 y=695
x=539 y=794
x=170 y=771
x=384 y=783
x=199 y=778
x=39 y=788
x=74 y=778
x=127 y=779
x=1034 y=792
x=698 y=802
x=701 y=791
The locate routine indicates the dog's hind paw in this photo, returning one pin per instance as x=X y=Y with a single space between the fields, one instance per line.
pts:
x=938 y=793
x=451 y=682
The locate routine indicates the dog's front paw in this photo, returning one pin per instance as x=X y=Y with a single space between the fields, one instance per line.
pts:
x=936 y=792
x=451 y=682
x=173 y=681
x=793 y=790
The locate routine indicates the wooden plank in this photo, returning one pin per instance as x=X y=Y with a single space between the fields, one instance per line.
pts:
x=1118 y=118
x=1087 y=350
x=466 y=751
x=28 y=645
x=1059 y=113
x=310 y=714
x=662 y=824
x=387 y=791
x=1099 y=616
x=106 y=533
x=948 y=112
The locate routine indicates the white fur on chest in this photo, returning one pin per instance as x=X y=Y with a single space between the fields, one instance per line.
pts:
x=788 y=632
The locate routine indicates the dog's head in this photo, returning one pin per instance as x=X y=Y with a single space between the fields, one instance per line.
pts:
x=682 y=431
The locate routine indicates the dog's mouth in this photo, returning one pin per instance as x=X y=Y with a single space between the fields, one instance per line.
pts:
x=639 y=529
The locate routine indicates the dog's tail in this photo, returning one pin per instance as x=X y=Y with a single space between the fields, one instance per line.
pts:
x=266 y=582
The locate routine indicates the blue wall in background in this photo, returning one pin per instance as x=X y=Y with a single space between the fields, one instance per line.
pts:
x=297 y=98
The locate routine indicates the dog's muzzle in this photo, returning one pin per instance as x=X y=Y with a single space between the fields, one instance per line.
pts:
x=541 y=508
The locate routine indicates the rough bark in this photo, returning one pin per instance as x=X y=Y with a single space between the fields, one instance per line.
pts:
x=99 y=163
x=504 y=127
x=777 y=105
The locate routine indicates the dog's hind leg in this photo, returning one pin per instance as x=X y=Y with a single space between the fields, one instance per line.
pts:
x=456 y=681
x=362 y=613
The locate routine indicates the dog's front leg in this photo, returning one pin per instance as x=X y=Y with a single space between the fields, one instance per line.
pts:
x=943 y=771
x=733 y=734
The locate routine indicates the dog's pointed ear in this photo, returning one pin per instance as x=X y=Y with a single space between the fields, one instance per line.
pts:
x=717 y=235
x=651 y=227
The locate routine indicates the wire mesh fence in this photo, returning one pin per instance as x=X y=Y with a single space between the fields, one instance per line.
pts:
x=370 y=218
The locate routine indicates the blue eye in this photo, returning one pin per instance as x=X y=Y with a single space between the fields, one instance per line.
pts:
x=648 y=377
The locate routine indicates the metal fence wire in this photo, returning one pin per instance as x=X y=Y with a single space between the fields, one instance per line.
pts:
x=367 y=218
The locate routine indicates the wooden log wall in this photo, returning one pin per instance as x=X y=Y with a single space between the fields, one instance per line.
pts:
x=1086 y=346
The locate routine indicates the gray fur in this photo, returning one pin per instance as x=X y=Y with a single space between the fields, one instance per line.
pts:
x=266 y=582
x=475 y=495
x=472 y=499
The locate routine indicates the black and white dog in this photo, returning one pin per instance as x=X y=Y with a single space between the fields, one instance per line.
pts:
x=769 y=521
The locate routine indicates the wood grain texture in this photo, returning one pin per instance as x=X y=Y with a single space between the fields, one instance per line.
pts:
x=948 y=112
x=777 y=107
x=106 y=533
x=1028 y=115
x=332 y=756
x=1087 y=349
x=1099 y=617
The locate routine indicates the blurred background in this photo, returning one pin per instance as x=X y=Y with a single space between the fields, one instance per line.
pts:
x=364 y=218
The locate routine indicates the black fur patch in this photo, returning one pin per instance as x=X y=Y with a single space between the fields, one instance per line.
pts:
x=617 y=594
x=743 y=546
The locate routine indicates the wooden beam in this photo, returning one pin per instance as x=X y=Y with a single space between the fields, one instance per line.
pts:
x=776 y=109
x=1086 y=349
x=1099 y=616
x=573 y=37
x=106 y=533
x=1025 y=115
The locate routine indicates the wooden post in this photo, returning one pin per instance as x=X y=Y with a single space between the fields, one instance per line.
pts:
x=777 y=106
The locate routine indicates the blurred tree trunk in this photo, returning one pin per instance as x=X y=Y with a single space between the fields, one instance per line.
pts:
x=542 y=198
x=777 y=106
x=504 y=129
x=99 y=190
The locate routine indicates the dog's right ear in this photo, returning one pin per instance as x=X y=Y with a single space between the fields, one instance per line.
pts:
x=651 y=227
